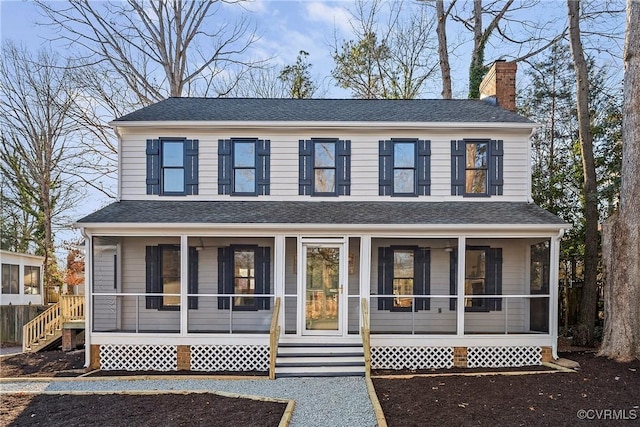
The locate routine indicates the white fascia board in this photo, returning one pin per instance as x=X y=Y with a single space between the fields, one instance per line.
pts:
x=21 y=255
x=321 y=124
x=176 y=229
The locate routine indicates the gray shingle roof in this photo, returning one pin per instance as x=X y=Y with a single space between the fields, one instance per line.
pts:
x=337 y=110
x=302 y=212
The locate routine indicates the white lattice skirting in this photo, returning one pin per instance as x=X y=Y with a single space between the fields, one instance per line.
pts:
x=503 y=357
x=138 y=357
x=229 y=358
x=392 y=357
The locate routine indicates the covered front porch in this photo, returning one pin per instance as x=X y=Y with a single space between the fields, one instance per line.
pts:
x=222 y=301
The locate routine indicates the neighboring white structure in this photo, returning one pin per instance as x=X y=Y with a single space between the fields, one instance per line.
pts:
x=419 y=210
x=21 y=279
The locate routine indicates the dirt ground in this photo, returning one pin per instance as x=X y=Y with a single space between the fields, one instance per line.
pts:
x=602 y=392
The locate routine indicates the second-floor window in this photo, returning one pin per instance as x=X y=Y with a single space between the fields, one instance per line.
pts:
x=243 y=166
x=172 y=166
x=476 y=167
x=405 y=167
x=325 y=167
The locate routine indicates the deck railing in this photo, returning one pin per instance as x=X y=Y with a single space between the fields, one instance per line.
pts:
x=366 y=337
x=72 y=307
x=274 y=336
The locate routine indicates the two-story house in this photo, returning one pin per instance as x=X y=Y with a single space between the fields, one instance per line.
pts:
x=310 y=226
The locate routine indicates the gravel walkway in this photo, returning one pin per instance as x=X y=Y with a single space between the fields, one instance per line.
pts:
x=319 y=401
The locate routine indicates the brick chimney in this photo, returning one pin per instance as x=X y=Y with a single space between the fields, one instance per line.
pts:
x=500 y=84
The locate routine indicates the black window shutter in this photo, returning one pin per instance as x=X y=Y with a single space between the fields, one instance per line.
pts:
x=496 y=180
x=263 y=277
x=305 y=184
x=191 y=166
x=494 y=278
x=153 y=166
x=225 y=276
x=457 y=168
x=385 y=168
x=385 y=278
x=153 y=281
x=263 y=166
x=343 y=167
x=424 y=168
x=193 y=278
x=422 y=278
x=224 y=166
x=453 y=278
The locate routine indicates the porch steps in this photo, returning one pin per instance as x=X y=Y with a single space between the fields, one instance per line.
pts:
x=319 y=359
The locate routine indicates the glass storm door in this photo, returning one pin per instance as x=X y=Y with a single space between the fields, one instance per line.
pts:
x=322 y=289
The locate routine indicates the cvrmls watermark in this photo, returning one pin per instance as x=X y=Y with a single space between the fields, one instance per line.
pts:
x=608 y=414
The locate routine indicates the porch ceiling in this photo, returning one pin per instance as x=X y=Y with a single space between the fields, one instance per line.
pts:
x=316 y=213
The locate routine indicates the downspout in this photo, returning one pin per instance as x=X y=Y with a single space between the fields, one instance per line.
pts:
x=88 y=290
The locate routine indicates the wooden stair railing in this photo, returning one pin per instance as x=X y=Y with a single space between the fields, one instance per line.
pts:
x=274 y=337
x=49 y=323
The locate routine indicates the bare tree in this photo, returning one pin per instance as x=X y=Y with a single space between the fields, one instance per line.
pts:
x=621 y=233
x=35 y=127
x=157 y=48
x=443 y=46
x=386 y=60
x=584 y=332
x=504 y=25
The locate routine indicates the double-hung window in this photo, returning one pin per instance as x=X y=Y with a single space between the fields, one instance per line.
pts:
x=405 y=167
x=31 y=280
x=482 y=276
x=10 y=279
x=477 y=167
x=163 y=276
x=402 y=272
x=325 y=167
x=243 y=166
x=172 y=166
x=245 y=272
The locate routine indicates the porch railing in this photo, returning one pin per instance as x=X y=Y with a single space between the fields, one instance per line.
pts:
x=274 y=337
x=137 y=314
x=366 y=336
x=412 y=315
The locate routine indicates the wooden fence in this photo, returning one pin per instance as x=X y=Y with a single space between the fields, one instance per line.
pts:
x=13 y=318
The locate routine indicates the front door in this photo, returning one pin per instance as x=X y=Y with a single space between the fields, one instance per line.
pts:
x=322 y=285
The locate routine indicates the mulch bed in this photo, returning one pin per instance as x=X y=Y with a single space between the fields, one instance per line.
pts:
x=120 y=410
x=44 y=364
x=138 y=410
x=544 y=399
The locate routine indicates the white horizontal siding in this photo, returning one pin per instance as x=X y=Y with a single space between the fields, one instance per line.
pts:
x=285 y=161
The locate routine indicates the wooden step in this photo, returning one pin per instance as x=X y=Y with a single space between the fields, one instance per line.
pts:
x=317 y=359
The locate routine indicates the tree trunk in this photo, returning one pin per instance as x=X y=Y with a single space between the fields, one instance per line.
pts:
x=584 y=331
x=621 y=241
x=443 y=52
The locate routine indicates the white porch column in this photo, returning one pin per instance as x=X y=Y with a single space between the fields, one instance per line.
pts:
x=365 y=273
x=279 y=265
x=184 y=284
x=462 y=246
x=554 y=278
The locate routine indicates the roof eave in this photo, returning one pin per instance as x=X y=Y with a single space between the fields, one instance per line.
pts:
x=325 y=124
x=287 y=227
